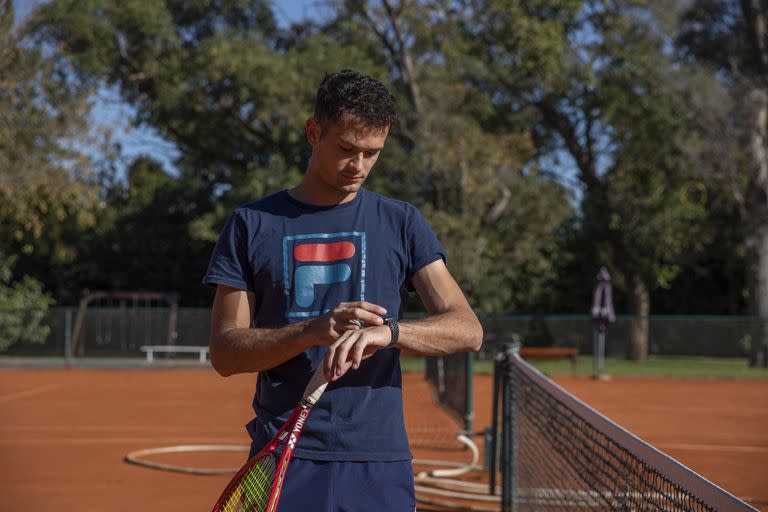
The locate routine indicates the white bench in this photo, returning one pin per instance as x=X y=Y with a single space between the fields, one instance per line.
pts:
x=151 y=349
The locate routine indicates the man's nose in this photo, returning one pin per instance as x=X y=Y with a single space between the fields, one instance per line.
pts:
x=357 y=162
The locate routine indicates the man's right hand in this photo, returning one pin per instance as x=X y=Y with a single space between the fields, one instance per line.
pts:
x=347 y=316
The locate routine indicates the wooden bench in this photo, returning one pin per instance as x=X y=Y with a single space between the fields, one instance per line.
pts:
x=551 y=353
x=151 y=349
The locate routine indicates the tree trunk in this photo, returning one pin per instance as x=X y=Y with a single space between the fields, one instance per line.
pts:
x=757 y=224
x=639 y=308
x=758 y=277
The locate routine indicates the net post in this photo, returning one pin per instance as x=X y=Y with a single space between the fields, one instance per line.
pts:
x=506 y=449
x=509 y=498
x=470 y=410
x=68 y=336
x=598 y=352
x=494 y=435
x=601 y=349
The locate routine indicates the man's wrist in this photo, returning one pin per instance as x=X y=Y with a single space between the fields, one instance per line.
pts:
x=307 y=335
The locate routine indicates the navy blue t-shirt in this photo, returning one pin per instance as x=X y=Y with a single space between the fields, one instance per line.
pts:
x=301 y=261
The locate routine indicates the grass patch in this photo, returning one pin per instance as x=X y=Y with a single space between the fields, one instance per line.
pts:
x=658 y=366
x=655 y=366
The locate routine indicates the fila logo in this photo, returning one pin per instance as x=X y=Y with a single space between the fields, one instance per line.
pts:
x=308 y=276
x=322 y=269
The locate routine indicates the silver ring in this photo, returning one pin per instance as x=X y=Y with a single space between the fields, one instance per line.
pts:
x=356 y=322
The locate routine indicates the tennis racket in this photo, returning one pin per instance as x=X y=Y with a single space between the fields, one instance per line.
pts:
x=256 y=487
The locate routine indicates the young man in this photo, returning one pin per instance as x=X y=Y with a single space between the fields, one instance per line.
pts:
x=312 y=276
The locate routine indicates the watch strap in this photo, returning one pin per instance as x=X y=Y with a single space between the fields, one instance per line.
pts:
x=394 y=328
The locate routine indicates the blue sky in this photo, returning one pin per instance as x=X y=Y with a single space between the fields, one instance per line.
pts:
x=286 y=10
x=22 y=7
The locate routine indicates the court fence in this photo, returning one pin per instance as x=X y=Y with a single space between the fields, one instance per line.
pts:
x=122 y=331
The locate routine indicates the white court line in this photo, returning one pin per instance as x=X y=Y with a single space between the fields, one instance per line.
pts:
x=103 y=429
x=29 y=392
x=47 y=441
x=134 y=403
x=712 y=447
x=75 y=402
x=696 y=410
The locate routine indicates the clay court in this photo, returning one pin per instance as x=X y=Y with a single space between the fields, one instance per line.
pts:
x=65 y=432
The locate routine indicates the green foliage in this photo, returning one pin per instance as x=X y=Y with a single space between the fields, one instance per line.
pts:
x=492 y=92
x=606 y=94
x=233 y=97
x=494 y=212
x=143 y=241
x=46 y=195
x=207 y=76
x=215 y=80
x=728 y=41
x=714 y=32
x=23 y=307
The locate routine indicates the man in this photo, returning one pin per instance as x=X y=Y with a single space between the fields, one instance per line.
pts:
x=312 y=276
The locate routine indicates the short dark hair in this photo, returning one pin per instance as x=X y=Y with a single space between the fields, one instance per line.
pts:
x=350 y=92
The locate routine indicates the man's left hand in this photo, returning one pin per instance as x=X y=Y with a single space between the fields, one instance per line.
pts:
x=352 y=347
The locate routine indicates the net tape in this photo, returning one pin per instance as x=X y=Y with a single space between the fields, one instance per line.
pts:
x=567 y=456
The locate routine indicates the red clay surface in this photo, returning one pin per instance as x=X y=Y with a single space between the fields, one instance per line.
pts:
x=718 y=428
x=64 y=433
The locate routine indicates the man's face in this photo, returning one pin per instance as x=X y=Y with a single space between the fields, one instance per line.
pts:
x=343 y=153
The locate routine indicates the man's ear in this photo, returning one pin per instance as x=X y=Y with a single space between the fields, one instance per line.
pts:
x=313 y=131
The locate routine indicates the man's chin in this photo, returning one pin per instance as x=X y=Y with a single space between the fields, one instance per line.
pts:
x=350 y=188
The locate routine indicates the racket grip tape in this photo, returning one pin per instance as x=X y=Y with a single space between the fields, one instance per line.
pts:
x=315 y=387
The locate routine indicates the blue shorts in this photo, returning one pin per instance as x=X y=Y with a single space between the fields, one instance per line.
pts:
x=337 y=486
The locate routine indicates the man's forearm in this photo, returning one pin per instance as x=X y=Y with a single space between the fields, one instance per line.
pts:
x=240 y=350
x=441 y=333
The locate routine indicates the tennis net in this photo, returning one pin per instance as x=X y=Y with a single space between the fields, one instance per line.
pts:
x=557 y=453
x=451 y=380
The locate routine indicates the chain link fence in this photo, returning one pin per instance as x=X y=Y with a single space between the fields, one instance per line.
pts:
x=709 y=336
x=121 y=332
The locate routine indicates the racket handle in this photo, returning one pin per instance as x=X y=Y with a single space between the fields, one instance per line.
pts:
x=315 y=387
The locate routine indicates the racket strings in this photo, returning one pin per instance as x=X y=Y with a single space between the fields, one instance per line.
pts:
x=251 y=493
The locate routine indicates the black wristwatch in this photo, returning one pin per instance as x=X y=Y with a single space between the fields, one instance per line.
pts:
x=394 y=329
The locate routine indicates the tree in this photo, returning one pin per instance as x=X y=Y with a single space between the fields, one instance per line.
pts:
x=231 y=91
x=143 y=240
x=714 y=283
x=46 y=195
x=732 y=38
x=594 y=80
x=486 y=199
x=23 y=307
x=217 y=80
